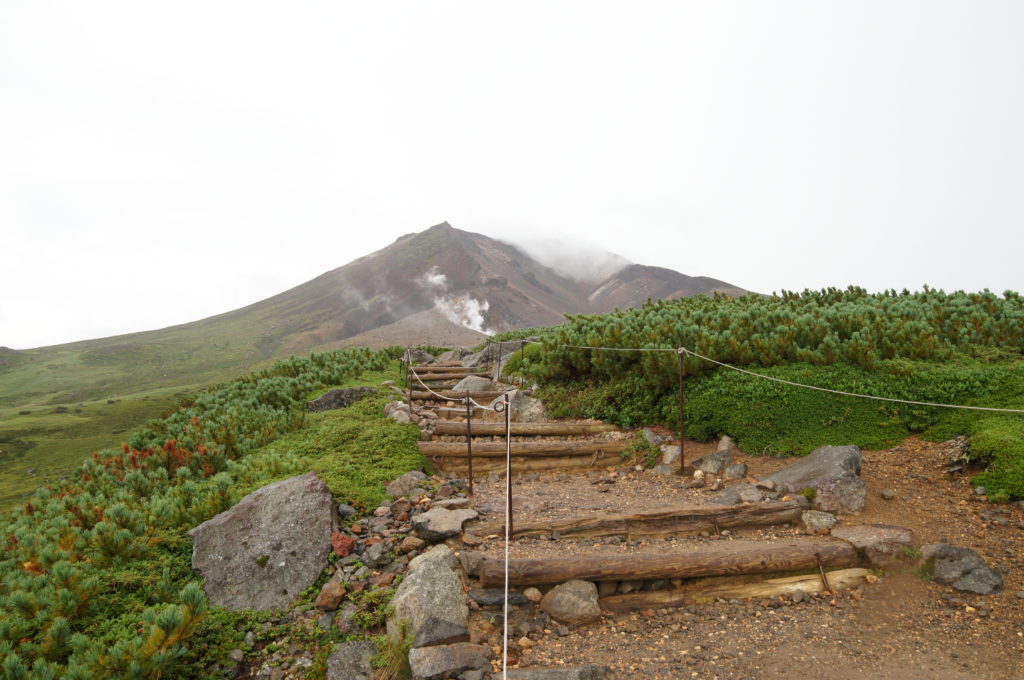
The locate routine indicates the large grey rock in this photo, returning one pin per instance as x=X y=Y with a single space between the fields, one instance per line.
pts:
x=440 y=632
x=438 y=524
x=494 y=352
x=376 y=556
x=495 y=597
x=573 y=602
x=431 y=590
x=417 y=357
x=670 y=454
x=339 y=398
x=585 y=672
x=351 y=661
x=267 y=549
x=736 y=471
x=655 y=438
x=713 y=463
x=844 y=495
x=473 y=383
x=452 y=355
x=881 y=544
x=961 y=568
x=525 y=409
x=447 y=661
x=404 y=485
x=821 y=465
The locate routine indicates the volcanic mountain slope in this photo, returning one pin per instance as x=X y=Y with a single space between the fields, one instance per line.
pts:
x=442 y=285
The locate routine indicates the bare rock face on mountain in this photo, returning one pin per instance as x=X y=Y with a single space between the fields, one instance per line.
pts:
x=268 y=548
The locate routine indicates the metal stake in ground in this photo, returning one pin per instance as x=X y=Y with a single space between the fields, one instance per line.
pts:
x=508 y=465
x=409 y=376
x=682 y=413
x=469 y=439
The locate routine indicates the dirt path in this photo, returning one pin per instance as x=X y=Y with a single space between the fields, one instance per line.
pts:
x=901 y=628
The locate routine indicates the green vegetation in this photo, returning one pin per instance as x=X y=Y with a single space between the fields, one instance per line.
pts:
x=96 y=580
x=931 y=346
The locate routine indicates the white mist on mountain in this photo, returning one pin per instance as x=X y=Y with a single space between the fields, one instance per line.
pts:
x=463 y=310
x=577 y=261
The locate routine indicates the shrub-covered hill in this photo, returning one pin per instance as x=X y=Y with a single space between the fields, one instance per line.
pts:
x=95 y=574
x=956 y=348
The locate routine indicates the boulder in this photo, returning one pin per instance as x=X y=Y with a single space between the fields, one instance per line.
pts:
x=352 y=661
x=816 y=520
x=267 y=549
x=961 y=568
x=376 y=556
x=448 y=661
x=881 y=544
x=670 y=454
x=573 y=602
x=495 y=351
x=339 y=398
x=726 y=443
x=438 y=524
x=404 y=485
x=417 y=357
x=431 y=589
x=816 y=468
x=713 y=463
x=585 y=672
x=655 y=438
x=440 y=632
x=844 y=495
x=525 y=409
x=452 y=355
x=471 y=561
x=473 y=383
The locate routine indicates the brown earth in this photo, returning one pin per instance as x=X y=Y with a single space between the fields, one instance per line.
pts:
x=903 y=627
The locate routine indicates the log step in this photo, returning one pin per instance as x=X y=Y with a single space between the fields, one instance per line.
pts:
x=707 y=591
x=449 y=395
x=727 y=558
x=539 y=429
x=444 y=368
x=666 y=522
x=587 y=447
x=448 y=376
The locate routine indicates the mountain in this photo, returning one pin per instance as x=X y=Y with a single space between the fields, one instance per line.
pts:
x=442 y=286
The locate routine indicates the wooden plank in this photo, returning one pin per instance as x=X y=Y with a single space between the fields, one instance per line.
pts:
x=729 y=557
x=583 y=447
x=427 y=377
x=666 y=522
x=459 y=468
x=538 y=429
x=708 y=590
x=449 y=395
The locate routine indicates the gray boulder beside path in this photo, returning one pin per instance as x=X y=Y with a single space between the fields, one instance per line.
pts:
x=268 y=548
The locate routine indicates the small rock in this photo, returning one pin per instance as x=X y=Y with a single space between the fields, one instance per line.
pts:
x=670 y=454
x=750 y=494
x=844 y=495
x=342 y=544
x=815 y=520
x=714 y=463
x=533 y=595
x=630 y=586
x=573 y=602
x=471 y=561
x=653 y=437
x=766 y=484
x=586 y=672
x=736 y=471
x=404 y=485
x=410 y=543
x=663 y=470
x=798 y=596
x=961 y=568
x=493 y=597
x=726 y=443
x=400 y=506
x=376 y=556
x=438 y=524
x=452 y=503
x=882 y=544
x=888 y=494
x=345 y=511
x=980 y=491
x=330 y=596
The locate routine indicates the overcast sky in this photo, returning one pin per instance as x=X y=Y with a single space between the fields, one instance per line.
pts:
x=163 y=162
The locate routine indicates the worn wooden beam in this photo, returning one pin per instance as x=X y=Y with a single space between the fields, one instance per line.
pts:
x=707 y=590
x=665 y=522
x=429 y=376
x=583 y=447
x=443 y=368
x=539 y=429
x=457 y=466
x=449 y=395
x=725 y=558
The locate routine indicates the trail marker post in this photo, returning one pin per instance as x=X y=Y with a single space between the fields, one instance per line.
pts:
x=682 y=412
x=469 y=439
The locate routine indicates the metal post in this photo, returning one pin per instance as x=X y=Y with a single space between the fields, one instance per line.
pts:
x=501 y=354
x=682 y=413
x=469 y=439
x=508 y=464
x=408 y=377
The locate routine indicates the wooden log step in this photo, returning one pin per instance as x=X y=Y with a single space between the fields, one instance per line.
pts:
x=450 y=376
x=458 y=411
x=726 y=558
x=667 y=522
x=445 y=368
x=449 y=395
x=708 y=590
x=585 y=447
x=458 y=467
x=539 y=429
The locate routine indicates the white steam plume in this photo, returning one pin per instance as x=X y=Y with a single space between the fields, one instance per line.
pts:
x=463 y=310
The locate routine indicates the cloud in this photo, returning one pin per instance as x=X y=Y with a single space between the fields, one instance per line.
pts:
x=578 y=261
